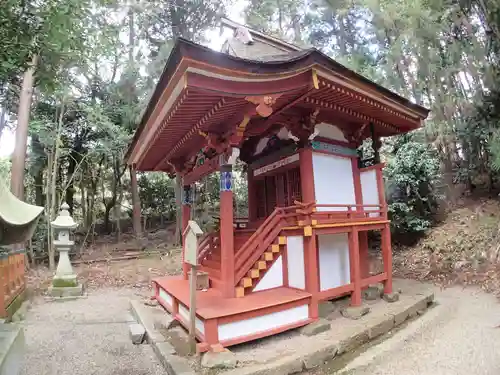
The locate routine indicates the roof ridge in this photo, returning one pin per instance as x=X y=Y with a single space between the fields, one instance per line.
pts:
x=266 y=38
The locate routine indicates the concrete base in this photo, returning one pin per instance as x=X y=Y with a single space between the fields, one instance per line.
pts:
x=222 y=360
x=293 y=352
x=62 y=292
x=355 y=312
x=391 y=297
x=312 y=329
x=11 y=349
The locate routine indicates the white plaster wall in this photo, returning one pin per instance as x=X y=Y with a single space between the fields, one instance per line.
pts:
x=334 y=269
x=184 y=313
x=330 y=131
x=166 y=297
x=369 y=190
x=333 y=181
x=258 y=324
x=295 y=262
x=273 y=277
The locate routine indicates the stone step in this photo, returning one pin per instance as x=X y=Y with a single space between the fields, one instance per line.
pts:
x=137 y=333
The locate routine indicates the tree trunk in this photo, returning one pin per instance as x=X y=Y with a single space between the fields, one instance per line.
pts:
x=178 y=210
x=136 y=204
x=53 y=186
x=23 y=116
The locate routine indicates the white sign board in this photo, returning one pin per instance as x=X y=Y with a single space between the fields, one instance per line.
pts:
x=276 y=165
x=192 y=232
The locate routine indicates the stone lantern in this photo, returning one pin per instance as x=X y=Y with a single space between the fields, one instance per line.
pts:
x=65 y=283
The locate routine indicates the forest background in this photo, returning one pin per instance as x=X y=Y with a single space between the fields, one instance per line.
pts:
x=76 y=74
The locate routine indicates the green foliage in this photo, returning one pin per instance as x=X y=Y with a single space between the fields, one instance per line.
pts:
x=411 y=175
x=157 y=194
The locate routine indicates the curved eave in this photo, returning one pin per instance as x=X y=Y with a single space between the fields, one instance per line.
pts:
x=194 y=69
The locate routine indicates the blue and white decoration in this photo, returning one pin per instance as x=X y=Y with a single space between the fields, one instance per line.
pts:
x=226 y=180
x=316 y=145
x=187 y=197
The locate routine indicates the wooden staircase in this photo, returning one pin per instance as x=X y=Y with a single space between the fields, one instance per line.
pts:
x=260 y=267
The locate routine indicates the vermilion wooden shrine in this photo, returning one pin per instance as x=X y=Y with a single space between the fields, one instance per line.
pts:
x=296 y=118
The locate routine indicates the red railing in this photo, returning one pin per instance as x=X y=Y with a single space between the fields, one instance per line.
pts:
x=207 y=245
x=283 y=217
x=349 y=212
x=12 y=281
x=251 y=251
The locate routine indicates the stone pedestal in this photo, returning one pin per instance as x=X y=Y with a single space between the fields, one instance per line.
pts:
x=64 y=283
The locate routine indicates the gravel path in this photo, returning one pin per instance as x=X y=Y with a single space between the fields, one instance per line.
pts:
x=460 y=336
x=85 y=337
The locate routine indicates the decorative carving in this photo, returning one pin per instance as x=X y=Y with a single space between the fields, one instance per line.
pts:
x=264 y=103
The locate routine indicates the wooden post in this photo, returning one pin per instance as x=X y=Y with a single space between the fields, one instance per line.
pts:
x=186 y=216
x=355 y=267
x=136 y=203
x=364 y=256
x=310 y=244
x=307 y=176
x=387 y=257
x=3 y=292
x=191 y=234
x=192 y=309
x=227 y=232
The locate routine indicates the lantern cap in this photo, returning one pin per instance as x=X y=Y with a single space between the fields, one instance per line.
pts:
x=64 y=219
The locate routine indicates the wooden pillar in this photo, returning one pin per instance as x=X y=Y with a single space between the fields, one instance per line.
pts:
x=307 y=176
x=312 y=273
x=310 y=243
x=186 y=216
x=364 y=256
x=227 y=231
x=356 y=175
x=252 y=199
x=136 y=203
x=387 y=257
x=355 y=267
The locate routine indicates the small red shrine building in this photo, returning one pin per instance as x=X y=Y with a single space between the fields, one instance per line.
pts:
x=296 y=118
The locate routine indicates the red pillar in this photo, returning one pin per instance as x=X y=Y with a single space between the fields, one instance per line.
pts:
x=136 y=203
x=364 y=257
x=186 y=216
x=355 y=267
x=227 y=232
x=310 y=244
x=387 y=257
x=307 y=176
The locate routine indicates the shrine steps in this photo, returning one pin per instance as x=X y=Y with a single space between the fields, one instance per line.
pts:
x=231 y=321
x=260 y=267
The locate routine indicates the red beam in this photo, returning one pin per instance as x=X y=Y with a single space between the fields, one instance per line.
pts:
x=246 y=88
x=198 y=172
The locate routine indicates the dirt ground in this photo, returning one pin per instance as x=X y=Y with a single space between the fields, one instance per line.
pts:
x=105 y=263
x=464 y=249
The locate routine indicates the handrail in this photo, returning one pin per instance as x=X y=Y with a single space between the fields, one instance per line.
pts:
x=251 y=250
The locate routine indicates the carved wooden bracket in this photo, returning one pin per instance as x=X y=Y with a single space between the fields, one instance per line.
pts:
x=264 y=103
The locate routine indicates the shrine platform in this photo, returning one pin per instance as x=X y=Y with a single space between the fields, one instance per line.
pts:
x=231 y=321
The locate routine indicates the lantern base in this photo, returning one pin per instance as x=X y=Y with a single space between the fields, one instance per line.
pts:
x=66 y=291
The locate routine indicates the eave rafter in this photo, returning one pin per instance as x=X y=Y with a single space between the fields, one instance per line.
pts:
x=361 y=98
x=327 y=105
x=195 y=129
x=171 y=114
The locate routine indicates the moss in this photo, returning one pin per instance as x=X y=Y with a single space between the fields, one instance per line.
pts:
x=61 y=283
x=15 y=304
